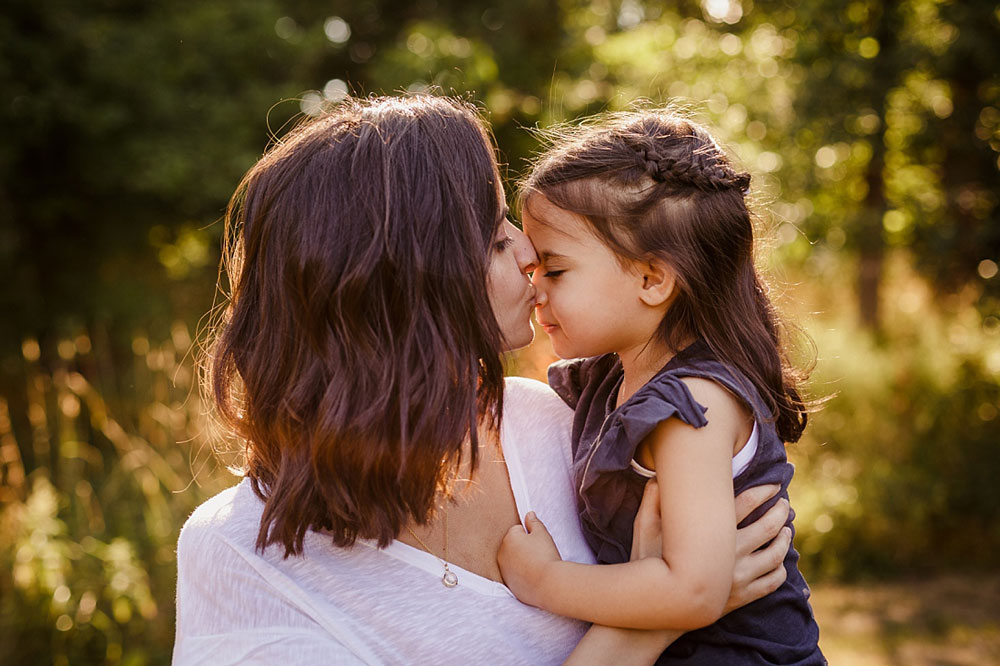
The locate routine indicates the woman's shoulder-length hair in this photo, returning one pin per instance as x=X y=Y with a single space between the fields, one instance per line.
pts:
x=358 y=351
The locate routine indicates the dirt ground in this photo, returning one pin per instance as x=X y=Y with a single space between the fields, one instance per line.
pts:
x=941 y=621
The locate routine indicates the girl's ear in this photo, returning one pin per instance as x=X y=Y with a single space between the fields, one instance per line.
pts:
x=658 y=282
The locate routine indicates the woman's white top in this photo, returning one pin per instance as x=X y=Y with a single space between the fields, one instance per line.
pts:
x=363 y=605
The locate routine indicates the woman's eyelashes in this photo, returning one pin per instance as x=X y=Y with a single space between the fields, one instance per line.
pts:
x=552 y=274
x=503 y=243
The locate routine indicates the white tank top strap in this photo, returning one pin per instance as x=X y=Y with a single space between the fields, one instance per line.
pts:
x=740 y=461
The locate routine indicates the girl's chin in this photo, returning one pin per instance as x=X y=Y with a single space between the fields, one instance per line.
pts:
x=561 y=351
x=564 y=351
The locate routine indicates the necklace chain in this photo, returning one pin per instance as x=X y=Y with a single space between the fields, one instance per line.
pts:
x=449 y=579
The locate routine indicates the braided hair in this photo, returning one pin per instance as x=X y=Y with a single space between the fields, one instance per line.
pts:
x=699 y=170
x=654 y=183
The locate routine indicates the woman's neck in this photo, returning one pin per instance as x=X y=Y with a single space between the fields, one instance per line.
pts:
x=475 y=517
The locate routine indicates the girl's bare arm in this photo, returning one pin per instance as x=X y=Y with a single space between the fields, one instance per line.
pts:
x=758 y=572
x=689 y=586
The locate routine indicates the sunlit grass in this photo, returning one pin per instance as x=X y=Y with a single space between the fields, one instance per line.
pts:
x=87 y=564
x=945 y=620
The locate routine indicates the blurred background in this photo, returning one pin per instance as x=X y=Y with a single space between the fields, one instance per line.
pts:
x=873 y=133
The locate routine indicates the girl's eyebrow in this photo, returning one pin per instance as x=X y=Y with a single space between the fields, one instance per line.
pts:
x=545 y=255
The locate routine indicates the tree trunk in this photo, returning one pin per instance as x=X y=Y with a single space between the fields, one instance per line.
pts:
x=870 y=240
x=871 y=244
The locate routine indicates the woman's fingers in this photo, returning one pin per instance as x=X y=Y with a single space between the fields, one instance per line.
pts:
x=649 y=507
x=757 y=574
x=757 y=588
x=647 y=528
x=762 y=530
x=763 y=563
x=751 y=498
x=759 y=570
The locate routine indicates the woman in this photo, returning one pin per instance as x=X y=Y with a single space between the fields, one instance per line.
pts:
x=375 y=282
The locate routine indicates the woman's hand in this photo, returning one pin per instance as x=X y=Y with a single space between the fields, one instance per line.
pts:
x=647 y=528
x=756 y=573
x=523 y=556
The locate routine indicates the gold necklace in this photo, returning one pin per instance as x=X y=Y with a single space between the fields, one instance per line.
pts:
x=449 y=579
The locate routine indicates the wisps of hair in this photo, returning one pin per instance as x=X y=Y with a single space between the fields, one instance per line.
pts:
x=654 y=183
x=356 y=357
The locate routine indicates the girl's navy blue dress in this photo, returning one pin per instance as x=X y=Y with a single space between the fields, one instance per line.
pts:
x=778 y=629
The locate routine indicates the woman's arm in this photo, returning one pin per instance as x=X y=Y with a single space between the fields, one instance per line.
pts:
x=758 y=572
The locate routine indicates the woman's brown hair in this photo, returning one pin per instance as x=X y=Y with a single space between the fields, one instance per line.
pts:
x=653 y=183
x=358 y=352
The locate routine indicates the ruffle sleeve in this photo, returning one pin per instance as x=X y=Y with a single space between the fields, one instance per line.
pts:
x=609 y=490
x=571 y=377
x=663 y=398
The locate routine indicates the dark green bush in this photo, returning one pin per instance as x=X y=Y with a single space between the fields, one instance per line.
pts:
x=897 y=473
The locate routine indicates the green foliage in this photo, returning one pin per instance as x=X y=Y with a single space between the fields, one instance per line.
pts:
x=84 y=597
x=87 y=565
x=896 y=474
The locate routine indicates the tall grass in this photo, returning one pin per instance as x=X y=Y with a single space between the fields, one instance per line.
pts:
x=87 y=561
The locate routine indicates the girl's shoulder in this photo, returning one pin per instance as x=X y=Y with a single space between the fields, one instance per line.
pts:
x=689 y=386
x=705 y=375
x=718 y=399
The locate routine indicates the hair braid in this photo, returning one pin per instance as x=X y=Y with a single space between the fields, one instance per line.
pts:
x=702 y=166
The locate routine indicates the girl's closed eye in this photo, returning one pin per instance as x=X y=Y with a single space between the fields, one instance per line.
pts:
x=553 y=274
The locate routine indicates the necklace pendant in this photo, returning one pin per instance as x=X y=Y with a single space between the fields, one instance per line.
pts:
x=449 y=579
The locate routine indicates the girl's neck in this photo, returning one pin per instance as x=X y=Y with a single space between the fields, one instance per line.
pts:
x=641 y=364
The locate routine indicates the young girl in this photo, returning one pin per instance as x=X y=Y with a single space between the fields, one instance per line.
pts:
x=646 y=278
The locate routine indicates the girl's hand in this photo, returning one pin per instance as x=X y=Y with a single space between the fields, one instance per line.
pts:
x=757 y=573
x=524 y=553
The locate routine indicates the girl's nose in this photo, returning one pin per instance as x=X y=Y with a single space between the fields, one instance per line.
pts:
x=540 y=296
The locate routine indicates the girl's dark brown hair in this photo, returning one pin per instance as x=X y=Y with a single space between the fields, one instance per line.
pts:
x=358 y=352
x=653 y=183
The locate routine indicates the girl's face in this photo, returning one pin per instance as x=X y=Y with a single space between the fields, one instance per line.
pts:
x=512 y=296
x=587 y=301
